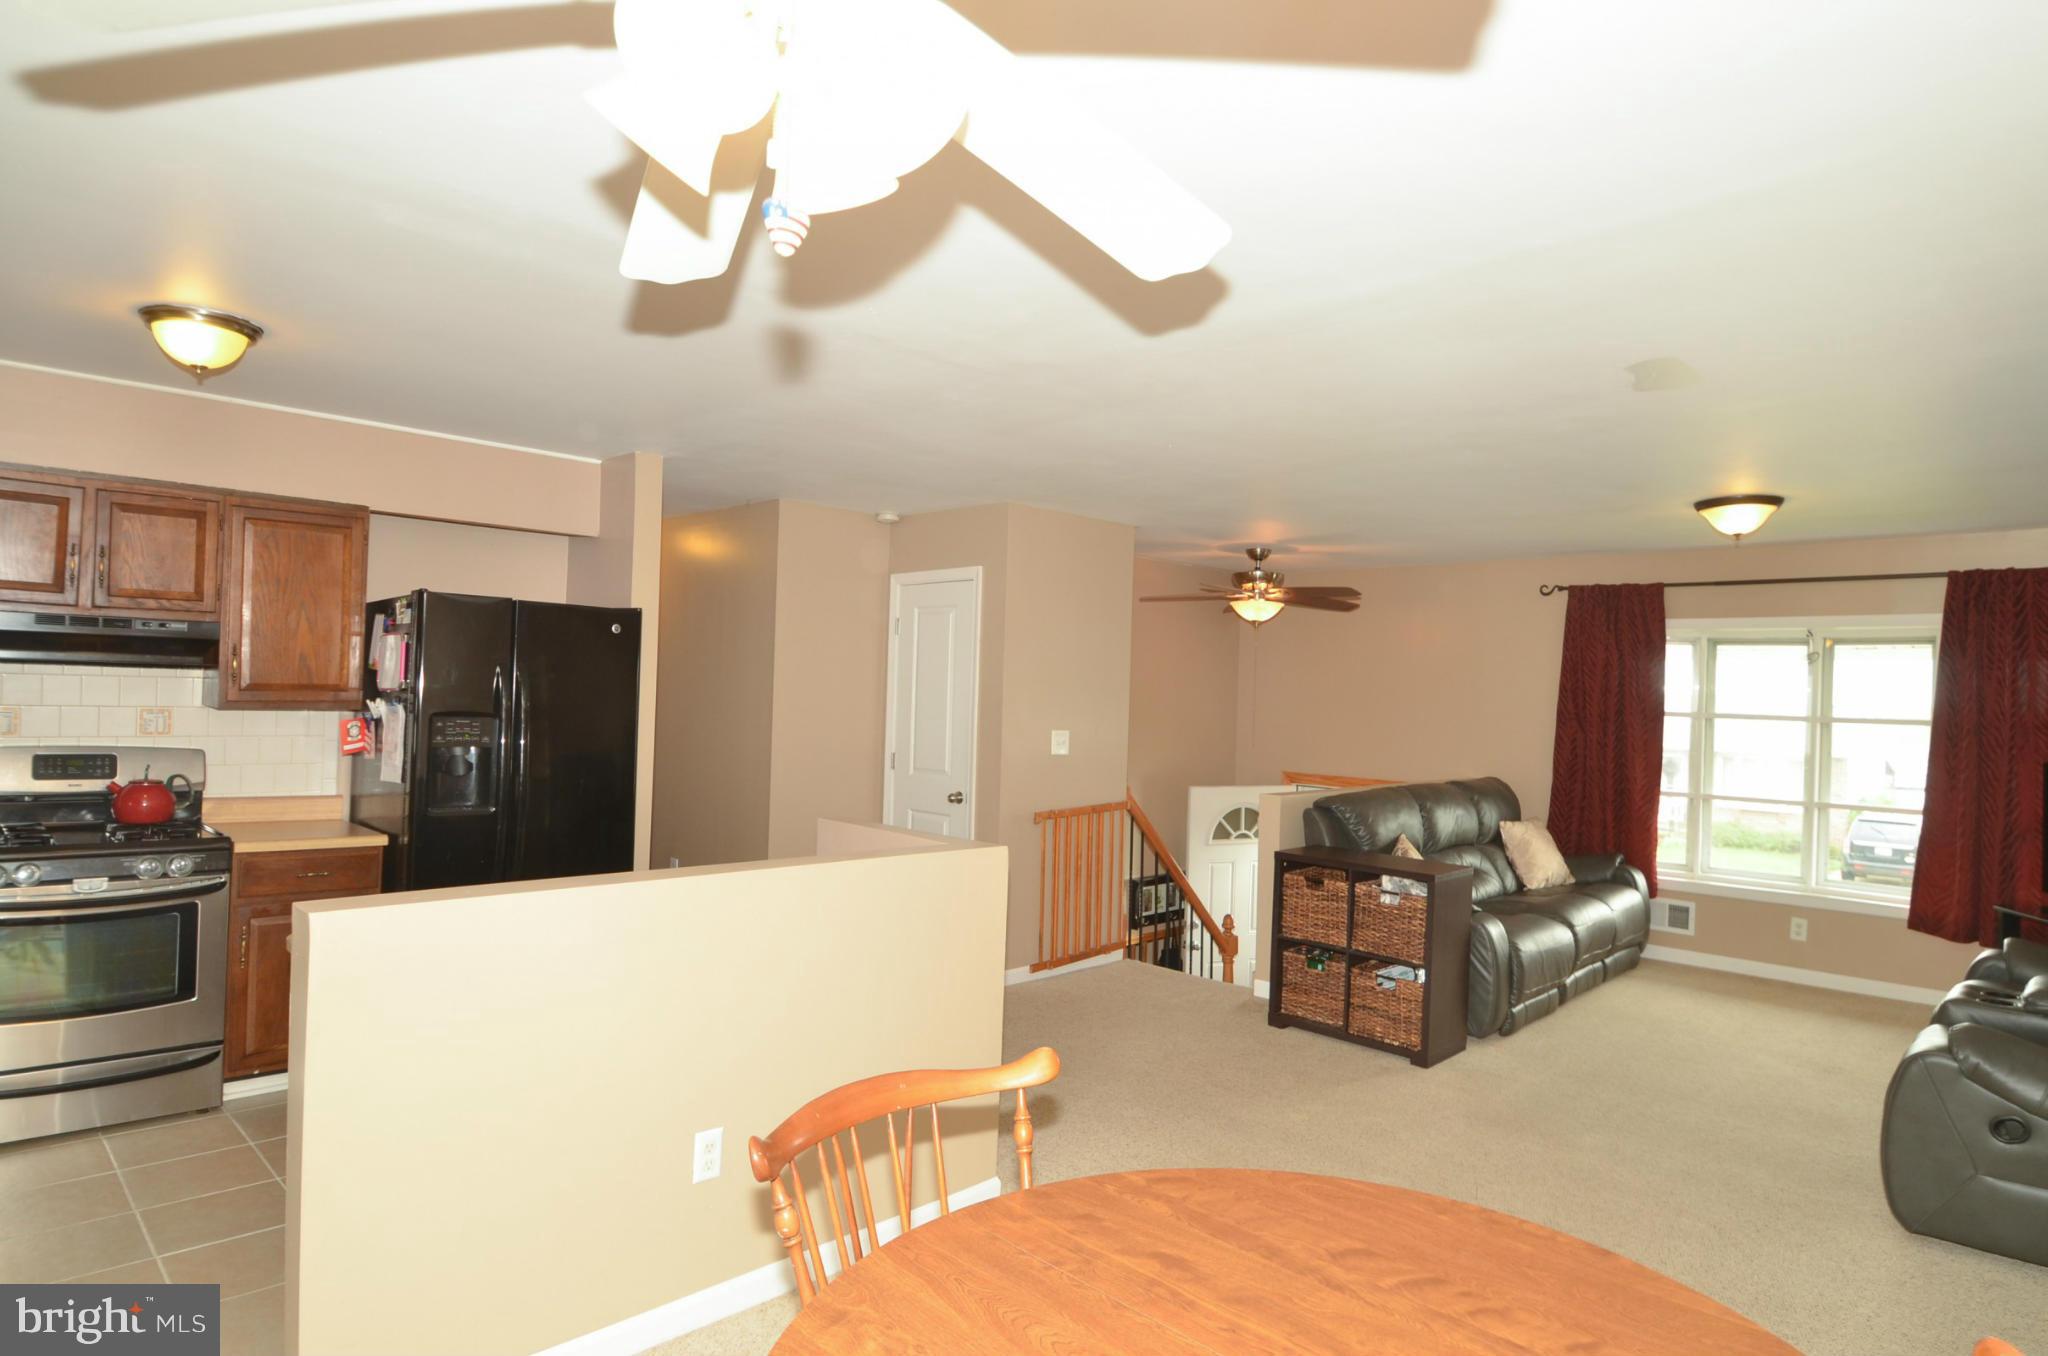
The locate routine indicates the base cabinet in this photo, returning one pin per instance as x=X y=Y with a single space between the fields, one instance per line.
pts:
x=265 y=887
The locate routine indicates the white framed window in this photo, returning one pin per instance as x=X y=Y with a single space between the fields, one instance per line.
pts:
x=1795 y=753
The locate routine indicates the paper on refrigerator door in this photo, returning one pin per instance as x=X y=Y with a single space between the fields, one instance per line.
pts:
x=391 y=744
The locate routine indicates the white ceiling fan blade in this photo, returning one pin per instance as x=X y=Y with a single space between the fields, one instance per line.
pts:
x=1028 y=131
x=681 y=135
x=679 y=235
x=122 y=16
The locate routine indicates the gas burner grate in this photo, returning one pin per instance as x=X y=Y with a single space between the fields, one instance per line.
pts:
x=24 y=836
x=150 y=833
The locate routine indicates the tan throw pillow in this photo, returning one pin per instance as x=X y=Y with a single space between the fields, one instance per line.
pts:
x=1534 y=855
x=1401 y=885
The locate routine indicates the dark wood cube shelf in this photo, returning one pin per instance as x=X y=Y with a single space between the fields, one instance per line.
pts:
x=1336 y=930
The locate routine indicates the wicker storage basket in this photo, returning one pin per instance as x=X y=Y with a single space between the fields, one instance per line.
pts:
x=1390 y=925
x=1313 y=905
x=1390 y=1016
x=1312 y=995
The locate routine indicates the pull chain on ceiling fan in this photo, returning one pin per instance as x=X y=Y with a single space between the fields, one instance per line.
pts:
x=1258 y=595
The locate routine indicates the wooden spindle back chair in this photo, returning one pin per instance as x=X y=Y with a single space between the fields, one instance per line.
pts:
x=824 y=1120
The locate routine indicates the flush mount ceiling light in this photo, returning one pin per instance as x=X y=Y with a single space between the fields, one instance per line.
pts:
x=1738 y=515
x=200 y=340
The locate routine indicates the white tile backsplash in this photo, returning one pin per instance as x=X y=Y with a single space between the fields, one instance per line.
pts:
x=248 y=753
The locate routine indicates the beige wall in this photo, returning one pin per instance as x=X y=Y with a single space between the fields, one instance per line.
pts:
x=1066 y=666
x=1053 y=657
x=831 y=672
x=716 y=685
x=1451 y=671
x=413 y=553
x=621 y=567
x=115 y=428
x=1184 y=663
x=476 y=1170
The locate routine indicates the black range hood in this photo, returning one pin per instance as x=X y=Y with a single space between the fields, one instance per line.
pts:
x=80 y=638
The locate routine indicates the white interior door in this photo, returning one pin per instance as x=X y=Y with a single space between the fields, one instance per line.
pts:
x=1223 y=860
x=935 y=623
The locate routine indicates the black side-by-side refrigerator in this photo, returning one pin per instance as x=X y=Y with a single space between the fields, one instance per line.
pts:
x=516 y=731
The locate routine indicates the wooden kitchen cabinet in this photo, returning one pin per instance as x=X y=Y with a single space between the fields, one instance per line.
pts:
x=42 y=540
x=265 y=886
x=291 y=630
x=156 y=551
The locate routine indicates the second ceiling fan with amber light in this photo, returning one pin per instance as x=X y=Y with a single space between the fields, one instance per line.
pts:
x=1259 y=594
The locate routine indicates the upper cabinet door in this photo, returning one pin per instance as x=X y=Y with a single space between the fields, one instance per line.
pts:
x=159 y=552
x=42 y=537
x=292 y=605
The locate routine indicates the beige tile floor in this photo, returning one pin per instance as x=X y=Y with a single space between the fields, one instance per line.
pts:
x=192 y=1198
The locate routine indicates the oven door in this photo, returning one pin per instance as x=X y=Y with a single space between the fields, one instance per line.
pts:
x=86 y=977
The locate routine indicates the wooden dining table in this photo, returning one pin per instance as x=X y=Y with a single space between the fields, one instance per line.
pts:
x=1236 y=1261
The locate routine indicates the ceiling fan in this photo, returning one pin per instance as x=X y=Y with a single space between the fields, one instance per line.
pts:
x=1259 y=594
x=856 y=93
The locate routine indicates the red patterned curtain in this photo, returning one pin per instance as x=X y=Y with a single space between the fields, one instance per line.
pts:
x=1609 y=756
x=1980 y=844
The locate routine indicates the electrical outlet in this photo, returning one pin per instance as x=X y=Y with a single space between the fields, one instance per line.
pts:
x=1062 y=742
x=710 y=1152
x=1799 y=929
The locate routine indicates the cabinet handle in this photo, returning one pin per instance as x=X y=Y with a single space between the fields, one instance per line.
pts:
x=103 y=567
x=235 y=667
x=71 y=568
x=310 y=875
x=243 y=963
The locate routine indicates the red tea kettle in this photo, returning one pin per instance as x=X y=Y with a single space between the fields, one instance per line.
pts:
x=143 y=801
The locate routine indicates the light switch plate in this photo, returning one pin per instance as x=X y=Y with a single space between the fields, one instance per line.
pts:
x=1062 y=741
x=710 y=1153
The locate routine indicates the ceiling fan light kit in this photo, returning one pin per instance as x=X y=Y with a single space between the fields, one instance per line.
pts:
x=858 y=93
x=1258 y=595
x=1738 y=515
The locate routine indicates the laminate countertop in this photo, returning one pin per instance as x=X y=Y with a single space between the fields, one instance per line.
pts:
x=299 y=835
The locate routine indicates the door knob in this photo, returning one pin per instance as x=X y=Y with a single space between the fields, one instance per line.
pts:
x=956 y=798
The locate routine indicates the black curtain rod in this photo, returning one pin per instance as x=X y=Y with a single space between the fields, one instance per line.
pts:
x=1547 y=589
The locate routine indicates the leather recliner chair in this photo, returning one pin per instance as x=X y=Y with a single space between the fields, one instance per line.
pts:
x=1531 y=949
x=1993 y=991
x=1965 y=1144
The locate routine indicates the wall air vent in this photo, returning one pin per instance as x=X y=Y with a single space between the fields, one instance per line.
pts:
x=1672 y=915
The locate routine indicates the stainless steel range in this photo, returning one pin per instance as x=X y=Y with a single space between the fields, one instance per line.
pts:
x=113 y=943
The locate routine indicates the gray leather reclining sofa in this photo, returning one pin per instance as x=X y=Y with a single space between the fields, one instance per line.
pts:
x=1531 y=949
x=1965 y=1147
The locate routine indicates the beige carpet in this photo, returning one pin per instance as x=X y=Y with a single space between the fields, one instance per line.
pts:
x=1720 y=1129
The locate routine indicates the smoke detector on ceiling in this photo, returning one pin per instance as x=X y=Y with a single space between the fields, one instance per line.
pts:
x=1663 y=374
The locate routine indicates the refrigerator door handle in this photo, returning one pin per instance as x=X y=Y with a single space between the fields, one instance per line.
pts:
x=518 y=853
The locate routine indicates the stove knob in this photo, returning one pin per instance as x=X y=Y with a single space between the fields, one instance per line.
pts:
x=28 y=873
x=149 y=868
x=181 y=865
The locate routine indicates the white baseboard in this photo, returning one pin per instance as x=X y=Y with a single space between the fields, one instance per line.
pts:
x=1792 y=974
x=1024 y=974
x=255 y=1087
x=1261 y=989
x=630 y=1336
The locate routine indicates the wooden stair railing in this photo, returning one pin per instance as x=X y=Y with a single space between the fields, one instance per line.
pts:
x=1085 y=872
x=1333 y=779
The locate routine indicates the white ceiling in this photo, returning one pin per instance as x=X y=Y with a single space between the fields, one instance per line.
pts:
x=1456 y=223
